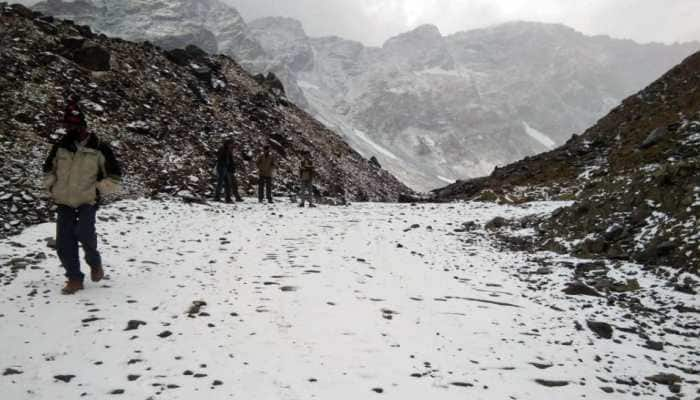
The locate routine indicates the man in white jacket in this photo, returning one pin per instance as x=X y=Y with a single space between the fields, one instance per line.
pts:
x=78 y=170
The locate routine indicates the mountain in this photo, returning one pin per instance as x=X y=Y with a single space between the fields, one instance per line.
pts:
x=431 y=108
x=437 y=107
x=210 y=25
x=165 y=113
x=634 y=178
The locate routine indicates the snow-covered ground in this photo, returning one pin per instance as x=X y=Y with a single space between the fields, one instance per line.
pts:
x=359 y=302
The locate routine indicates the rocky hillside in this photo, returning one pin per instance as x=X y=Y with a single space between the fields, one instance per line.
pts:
x=165 y=113
x=431 y=108
x=634 y=177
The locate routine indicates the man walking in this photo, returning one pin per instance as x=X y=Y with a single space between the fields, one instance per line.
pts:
x=266 y=167
x=226 y=173
x=306 y=175
x=78 y=170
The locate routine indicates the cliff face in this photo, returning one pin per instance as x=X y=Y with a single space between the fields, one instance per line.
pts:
x=634 y=176
x=165 y=113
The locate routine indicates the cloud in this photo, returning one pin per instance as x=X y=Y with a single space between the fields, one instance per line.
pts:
x=374 y=21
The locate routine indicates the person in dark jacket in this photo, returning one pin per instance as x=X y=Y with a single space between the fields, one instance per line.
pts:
x=226 y=173
x=73 y=117
x=266 y=168
x=78 y=171
x=306 y=176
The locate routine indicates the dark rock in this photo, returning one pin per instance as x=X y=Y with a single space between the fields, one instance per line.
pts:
x=24 y=118
x=614 y=232
x=665 y=379
x=602 y=329
x=496 y=223
x=178 y=56
x=164 y=334
x=72 y=42
x=11 y=371
x=580 y=289
x=46 y=27
x=550 y=383
x=93 y=57
x=196 y=307
x=133 y=325
x=64 y=378
x=374 y=162
x=195 y=52
x=271 y=82
x=650 y=344
x=117 y=391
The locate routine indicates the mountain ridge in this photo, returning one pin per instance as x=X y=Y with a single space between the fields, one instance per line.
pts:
x=469 y=102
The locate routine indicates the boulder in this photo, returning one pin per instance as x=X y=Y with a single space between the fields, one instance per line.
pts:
x=93 y=57
x=602 y=329
x=496 y=223
x=72 y=43
x=665 y=379
x=374 y=162
x=178 y=56
x=580 y=289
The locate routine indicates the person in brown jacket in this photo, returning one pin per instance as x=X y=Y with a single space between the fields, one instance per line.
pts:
x=266 y=167
x=79 y=170
x=306 y=175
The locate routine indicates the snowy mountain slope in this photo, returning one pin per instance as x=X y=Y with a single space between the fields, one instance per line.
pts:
x=371 y=300
x=635 y=175
x=455 y=105
x=164 y=113
x=211 y=25
x=208 y=24
x=444 y=106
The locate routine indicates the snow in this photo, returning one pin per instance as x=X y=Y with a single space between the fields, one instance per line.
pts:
x=308 y=85
x=447 y=180
x=304 y=304
x=542 y=138
x=363 y=136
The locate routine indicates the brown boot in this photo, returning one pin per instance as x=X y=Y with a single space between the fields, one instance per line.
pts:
x=72 y=286
x=96 y=274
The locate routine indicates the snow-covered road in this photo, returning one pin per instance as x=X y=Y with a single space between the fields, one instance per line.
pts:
x=360 y=302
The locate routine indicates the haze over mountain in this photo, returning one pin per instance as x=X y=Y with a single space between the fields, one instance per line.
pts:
x=431 y=108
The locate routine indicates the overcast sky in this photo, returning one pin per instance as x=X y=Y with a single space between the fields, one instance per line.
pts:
x=373 y=21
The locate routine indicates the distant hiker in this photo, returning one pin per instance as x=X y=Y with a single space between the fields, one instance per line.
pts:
x=226 y=173
x=73 y=117
x=306 y=175
x=266 y=166
x=78 y=171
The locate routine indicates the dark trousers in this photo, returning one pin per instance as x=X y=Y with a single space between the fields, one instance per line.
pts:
x=73 y=226
x=265 y=185
x=306 y=192
x=223 y=180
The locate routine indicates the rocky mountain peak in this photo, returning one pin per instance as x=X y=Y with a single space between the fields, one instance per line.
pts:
x=423 y=35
